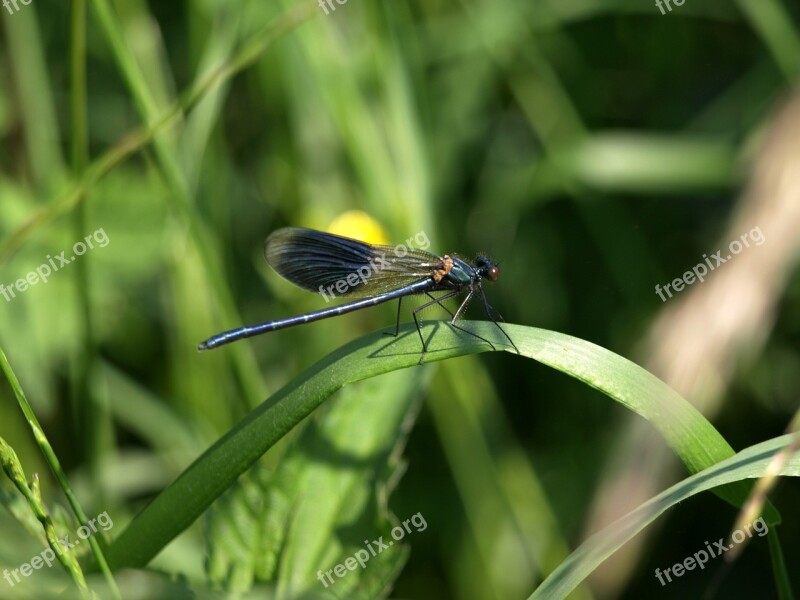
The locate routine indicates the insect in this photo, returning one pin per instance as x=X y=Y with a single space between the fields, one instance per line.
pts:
x=335 y=265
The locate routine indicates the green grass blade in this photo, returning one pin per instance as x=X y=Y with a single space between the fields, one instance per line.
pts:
x=771 y=20
x=141 y=137
x=750 y=463
x=505 y=503
x=779 y=571
x=28 y=60
x=55 y=466
x=692 y=437
x=274 y=525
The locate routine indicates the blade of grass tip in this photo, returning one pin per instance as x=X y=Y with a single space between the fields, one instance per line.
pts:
x=752 y=508
x=140 y=137
x=747 y=464
x=13 y=469
x=698 y=444
x=691 y=436
x=55 y=467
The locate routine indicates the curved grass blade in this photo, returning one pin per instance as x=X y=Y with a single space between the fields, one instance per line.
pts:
x=692 y=437
x=748 y=464
x=274 y=525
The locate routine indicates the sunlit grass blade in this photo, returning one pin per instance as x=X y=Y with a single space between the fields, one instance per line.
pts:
x=690 y=435
x=750 y=463
x=275 y=526
x=763 y=487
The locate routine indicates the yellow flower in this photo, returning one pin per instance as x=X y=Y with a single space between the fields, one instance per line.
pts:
x=358 y=225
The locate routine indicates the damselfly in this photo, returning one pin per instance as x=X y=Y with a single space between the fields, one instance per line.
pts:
x=332 y=264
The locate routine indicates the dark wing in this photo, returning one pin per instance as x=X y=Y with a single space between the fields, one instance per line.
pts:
x=311 y=259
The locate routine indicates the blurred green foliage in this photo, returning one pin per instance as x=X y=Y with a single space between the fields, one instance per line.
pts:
x=593 y=148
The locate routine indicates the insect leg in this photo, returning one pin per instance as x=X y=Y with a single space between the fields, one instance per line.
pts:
x=489 y=310
x=397 y=325
x=460 y=310
x=423 y=307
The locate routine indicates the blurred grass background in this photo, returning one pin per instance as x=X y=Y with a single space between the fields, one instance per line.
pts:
x=595 y=149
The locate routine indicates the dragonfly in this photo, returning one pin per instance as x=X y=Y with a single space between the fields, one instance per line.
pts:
x=374 y=273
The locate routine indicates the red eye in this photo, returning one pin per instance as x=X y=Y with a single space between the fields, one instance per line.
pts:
x=493 y=273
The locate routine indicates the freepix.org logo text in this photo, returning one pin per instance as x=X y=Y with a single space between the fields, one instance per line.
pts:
x=419 y=241
x=97 y=239
x=48 y=555
x=700 y=271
